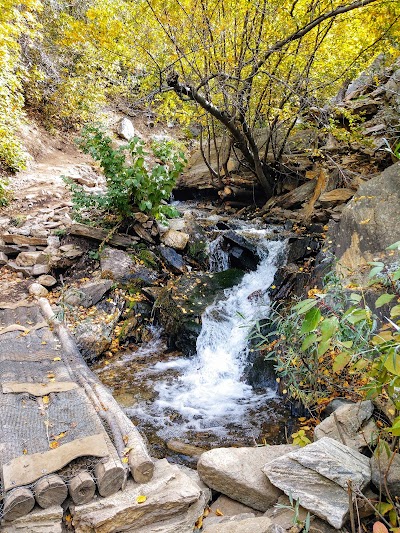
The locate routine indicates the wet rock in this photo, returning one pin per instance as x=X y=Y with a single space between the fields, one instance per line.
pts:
x=173 y=259
x=181 y=303
x=47 y=281
x=243 y=524
x=175 y=239
x=88 y=294
x=185 y=449
x=174 y=503
x=236 y=472
x=125 y=129
x=242 y=253
x=385 y=467
x=300 y=248
x=38 y=290
x=318 y=474
x=350 y=424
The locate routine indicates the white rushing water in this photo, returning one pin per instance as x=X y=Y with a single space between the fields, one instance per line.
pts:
x=207 y=392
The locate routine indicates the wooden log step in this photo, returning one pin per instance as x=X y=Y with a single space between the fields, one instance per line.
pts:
x=50 y=490
x=110 y=476
x=18 y=502
x=82 y=488
x=140 y=463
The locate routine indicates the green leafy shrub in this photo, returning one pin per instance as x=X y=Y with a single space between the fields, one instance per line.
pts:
x=130 y=184
x=330 y=344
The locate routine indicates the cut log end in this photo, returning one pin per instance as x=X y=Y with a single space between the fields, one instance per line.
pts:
x=142 y=471
x=17 y=503
x=82 y=488
x=50 y=490
x=110 y=477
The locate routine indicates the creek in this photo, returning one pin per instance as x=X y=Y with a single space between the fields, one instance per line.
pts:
x=208 y=399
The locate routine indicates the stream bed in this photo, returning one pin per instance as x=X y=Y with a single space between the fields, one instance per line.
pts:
x=205 y=400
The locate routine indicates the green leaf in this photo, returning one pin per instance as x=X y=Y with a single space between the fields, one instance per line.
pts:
x=311 y=320
x=356 y=316
x=328 y=327
x=374 y=271
x=308 y=341
x=396 y=275
x=354 y=297
x=347 y=344
x=392 y=363
x=384 y=507
x=384 y=299
x=395 y=311
x=341 y=360
x=395 y=246
x=304 y=306
x=323 y=347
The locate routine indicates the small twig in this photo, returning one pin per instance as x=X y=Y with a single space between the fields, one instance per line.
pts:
x=363 y=497
x=351 y=508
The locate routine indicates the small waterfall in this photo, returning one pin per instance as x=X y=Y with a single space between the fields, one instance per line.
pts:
x=207 y=393
x=218 y=257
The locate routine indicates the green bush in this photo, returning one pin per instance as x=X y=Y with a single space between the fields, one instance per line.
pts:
x=130 y=184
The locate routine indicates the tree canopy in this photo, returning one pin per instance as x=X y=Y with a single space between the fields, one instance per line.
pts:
x=233 y=67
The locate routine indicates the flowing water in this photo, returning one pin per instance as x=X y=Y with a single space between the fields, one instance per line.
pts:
x=205 y=399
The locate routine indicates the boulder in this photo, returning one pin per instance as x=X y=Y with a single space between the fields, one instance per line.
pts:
x=367 y=224
x=318 y=475
x=175 y=239
x=119 y=266
x=93 y=338
x=350 y=424
x=39 y=270
x=125 y=129
x=243 y=524
x=88 y=294
x=173 y=260
x=174 y=502
x=236 y=472
x=385 y=467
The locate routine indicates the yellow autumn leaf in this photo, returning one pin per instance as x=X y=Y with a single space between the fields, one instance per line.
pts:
x=46 y=399
x=218 y=512
x=54 y=444
x=57 y=359
x=141 y=499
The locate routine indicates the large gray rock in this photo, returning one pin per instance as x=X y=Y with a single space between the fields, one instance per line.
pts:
x=350 y=424
x=318 y=474
x=93 y=338
x=119 y=266
x=88 y=294
x=28 y=259
x=237 y=473
x=386 y=470
x=174 y=503
x=367 y=224
x=260 y=524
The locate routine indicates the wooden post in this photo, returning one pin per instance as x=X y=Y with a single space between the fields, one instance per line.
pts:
x=18 y=502
x=50 y=490
x=82 y=488
x=110 y=476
